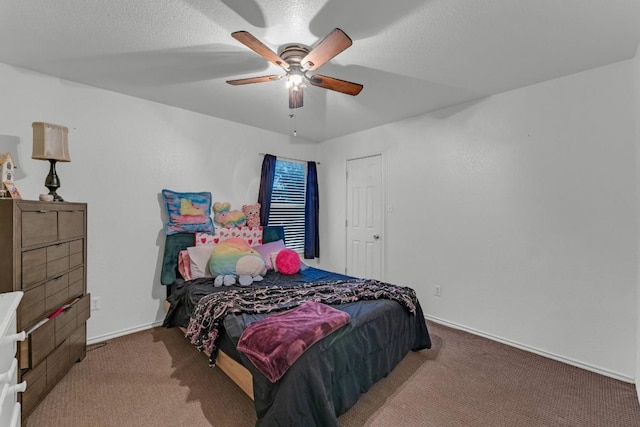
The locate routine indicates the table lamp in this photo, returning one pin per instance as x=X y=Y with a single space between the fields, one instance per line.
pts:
x=50 y=143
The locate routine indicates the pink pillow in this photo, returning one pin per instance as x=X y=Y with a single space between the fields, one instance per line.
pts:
x=267 y=249
x=183 y=265
x=288 y=261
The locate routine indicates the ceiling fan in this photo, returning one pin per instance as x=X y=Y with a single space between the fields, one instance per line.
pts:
x=297 y=60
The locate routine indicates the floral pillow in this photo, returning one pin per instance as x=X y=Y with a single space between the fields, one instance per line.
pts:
x=188 y=212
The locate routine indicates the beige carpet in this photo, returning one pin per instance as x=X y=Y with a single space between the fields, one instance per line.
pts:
x=156 y=378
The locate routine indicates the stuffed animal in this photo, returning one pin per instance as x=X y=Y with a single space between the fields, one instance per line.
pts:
x=234 y=258
x=224 y=216
x=252 y=212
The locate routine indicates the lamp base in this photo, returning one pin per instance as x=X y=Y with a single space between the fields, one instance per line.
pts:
x=56 y=196
x=53 y=182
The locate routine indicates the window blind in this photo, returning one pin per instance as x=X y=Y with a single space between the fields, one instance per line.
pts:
x=287 y=201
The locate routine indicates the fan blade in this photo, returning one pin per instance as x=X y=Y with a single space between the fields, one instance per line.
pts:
x=261 y=79
x=295 y=97
x=334 y=43
x=336 y=84
x=258 y=47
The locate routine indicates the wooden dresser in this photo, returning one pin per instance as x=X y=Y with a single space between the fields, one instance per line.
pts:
x=43 y=253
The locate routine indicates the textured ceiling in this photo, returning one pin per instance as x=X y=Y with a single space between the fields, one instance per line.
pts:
x=412 y=56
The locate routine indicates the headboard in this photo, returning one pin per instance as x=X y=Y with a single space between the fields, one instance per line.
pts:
x=181 y=241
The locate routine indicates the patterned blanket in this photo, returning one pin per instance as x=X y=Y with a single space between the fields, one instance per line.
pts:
x=205 y=323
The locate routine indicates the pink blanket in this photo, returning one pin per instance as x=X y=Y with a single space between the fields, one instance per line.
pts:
x=276 y=342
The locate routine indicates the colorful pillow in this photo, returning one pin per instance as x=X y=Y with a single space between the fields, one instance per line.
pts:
x=225 y=259
x=199 y=260
x=251 y=235
x=288 y=261
x=188 y=212
x=269 y=248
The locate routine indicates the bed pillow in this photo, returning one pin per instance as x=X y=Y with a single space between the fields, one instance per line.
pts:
x=251 y=235
x=287 y=262
x=270 y=248
x=184 y=267
x=187 y=212
x=199 y=261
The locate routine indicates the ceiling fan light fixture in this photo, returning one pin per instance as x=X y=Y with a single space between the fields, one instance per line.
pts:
x=297 y=60
x=295 y=78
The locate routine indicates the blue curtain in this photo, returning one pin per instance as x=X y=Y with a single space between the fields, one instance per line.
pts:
x=266 y=187
x=311 y=214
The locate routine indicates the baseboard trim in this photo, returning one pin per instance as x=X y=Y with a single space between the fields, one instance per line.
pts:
x=530 y=349
x=597 y=370
x=105 y=337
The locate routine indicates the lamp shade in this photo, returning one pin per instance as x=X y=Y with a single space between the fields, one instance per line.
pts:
x=50 y=142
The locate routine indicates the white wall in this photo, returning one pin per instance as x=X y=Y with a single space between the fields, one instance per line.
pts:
x=124 y=150
x=521 y=206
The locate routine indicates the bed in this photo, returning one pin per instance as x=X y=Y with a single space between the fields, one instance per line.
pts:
x=329 y=377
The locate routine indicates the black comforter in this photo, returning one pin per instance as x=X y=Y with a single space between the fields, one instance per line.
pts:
x=332 y=374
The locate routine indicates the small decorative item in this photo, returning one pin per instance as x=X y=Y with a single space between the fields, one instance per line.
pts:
x=12 y=189
x=7 y=166
x=225 y=217
x=50 y=143
x=46 y=198
x=252 y=212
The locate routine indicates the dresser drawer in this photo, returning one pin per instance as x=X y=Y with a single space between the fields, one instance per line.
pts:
x=43 y=263
x=58 y=251
x=70 y=224
x=34 y=267
x=54 y=333
x=78 y=343
x=76 y=246
x=76 y=282
x=58 y=363
x=56 y=292
x=83 y=308
x=65 y=324
x=54 y=268
x=36 y=386
x=32 y=307
x=76 y=253
x=39 y=227
x=41 y=342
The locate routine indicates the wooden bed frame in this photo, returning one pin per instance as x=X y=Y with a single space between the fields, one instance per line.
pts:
x=234 y=370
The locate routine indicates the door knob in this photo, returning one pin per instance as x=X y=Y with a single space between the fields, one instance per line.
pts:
x=376 y=236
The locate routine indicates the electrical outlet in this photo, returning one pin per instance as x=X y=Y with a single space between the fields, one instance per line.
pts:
x=437 y=290
x=95 y=303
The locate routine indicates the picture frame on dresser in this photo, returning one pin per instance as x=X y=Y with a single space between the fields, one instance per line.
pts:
x=12 y=189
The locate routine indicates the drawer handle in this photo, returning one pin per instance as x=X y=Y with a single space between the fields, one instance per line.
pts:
x=20 y=336
x=19 y=388
x=7 y=376
x=42 y=211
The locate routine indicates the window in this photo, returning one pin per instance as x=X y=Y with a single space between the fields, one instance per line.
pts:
x=287 y=201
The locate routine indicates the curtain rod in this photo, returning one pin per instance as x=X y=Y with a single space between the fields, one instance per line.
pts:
x=289 y=158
